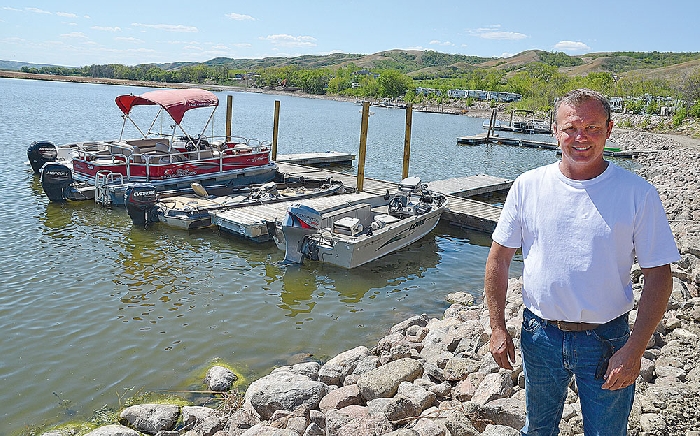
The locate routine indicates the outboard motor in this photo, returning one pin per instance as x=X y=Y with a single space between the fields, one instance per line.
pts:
x=299 y=222
x=41 y=152
x=140 y=199
x=409 y=199
x=57 y=181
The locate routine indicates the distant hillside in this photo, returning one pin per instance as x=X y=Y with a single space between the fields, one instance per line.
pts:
x=431 y=64
x=16 y=66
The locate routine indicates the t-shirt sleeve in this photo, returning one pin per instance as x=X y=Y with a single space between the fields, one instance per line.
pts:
x=654 y=244
x=508 y=230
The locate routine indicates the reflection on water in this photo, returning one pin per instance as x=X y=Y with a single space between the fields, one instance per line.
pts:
x=91 y=306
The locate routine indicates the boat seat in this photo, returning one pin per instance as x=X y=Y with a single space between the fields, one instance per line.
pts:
x=205 y=154
x=136 y=156
x=347 y=226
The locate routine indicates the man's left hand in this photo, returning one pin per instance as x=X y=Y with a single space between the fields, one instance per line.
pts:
x=623 y=369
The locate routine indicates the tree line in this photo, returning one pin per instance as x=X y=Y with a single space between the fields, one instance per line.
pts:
x=539 y=83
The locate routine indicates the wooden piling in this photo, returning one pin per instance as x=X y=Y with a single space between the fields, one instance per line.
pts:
x=363 y=147
x=407 y=140
x=229 y=112
x=492 y=121
x=275 y=129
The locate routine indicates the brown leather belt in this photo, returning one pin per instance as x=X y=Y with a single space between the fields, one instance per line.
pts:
x=567 y=326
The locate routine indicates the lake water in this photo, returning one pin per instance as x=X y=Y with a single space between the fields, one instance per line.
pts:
x=93 y=310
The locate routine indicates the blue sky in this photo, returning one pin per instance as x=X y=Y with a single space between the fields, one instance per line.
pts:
x=77 y=33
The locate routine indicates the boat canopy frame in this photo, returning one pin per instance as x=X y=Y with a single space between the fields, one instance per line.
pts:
x=176 y=102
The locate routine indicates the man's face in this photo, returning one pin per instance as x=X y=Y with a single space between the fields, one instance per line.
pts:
x=581 y=132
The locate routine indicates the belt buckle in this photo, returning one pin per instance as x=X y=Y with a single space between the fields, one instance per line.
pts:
x=562 y=325
x=568 y=326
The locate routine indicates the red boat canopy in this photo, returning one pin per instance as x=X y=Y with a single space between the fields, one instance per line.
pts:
x=175 y=101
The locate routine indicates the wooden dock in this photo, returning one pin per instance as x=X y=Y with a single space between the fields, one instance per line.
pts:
x=318 y=159
x=466 y=187
x=482 y=138
x=251 y=221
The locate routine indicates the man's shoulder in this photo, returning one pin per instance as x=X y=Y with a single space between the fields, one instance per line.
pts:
x=628 y=177
x=537 y=173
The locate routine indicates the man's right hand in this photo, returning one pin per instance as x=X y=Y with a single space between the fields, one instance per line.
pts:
x=502 y=348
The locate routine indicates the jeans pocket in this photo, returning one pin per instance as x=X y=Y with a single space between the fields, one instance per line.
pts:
x=609 y=347
x=531 y=322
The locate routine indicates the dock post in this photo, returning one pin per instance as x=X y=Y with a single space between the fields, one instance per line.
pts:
x=492 y=121
x=229 y=111
x=407 y=140
x=363 y=147
x=275 y=129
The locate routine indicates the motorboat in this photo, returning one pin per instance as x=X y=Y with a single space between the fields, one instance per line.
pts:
x=193 y=210
x=168 y=161
x=354 y=235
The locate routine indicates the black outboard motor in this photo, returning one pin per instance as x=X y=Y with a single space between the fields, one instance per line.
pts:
x=57 y=181
x=41 y=152
x=299 y=222
x=140 y=201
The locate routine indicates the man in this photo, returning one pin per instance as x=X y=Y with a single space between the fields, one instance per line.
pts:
x=580 y=223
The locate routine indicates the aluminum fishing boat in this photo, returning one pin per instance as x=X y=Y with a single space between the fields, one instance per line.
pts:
x=193 y=211
x=357 y=234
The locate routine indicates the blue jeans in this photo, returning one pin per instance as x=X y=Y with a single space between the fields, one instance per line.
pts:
x=551 y=357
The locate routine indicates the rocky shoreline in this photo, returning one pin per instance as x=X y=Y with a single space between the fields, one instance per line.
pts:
x=435 y=377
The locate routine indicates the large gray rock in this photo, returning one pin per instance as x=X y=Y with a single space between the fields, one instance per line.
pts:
x=495 y=385
x=356 y=421
x=113 y=430
x=500 y=430
x=384 y=381
x=219 y=378
x=151 y=418
x=335 y=370
x=505 y=412
x=268 y=430
x=397 y=409
x=420 y=396
x=204 y=420
x=284 y=390
x=341 y=397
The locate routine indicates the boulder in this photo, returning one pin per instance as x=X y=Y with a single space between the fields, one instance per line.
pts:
x=151 y=418
x=384 y=381
x=284 y=390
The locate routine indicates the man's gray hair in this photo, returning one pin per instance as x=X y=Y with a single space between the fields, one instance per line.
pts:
x=577 y=97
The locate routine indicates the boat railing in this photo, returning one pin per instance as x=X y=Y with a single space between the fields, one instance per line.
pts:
x=103 y=179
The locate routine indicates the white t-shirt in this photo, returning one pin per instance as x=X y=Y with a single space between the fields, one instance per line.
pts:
x=579 y=239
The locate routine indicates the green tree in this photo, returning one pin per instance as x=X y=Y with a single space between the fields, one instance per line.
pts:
x=393 y=84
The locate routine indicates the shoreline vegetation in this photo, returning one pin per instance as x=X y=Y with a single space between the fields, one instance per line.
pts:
x=435 y=377
x=649 y=123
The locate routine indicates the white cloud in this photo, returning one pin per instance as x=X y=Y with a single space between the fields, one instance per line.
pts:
x=572 y=46
x=441 y=43
x=284 y=40
x=77 y=35
x=7 y=8
x=128 y=39
x=37 y=11
x=494 y=32
x=167 y=27
x=107 y=29
x=66 y=14
x=240 y=17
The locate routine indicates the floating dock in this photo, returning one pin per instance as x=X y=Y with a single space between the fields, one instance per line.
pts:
x=252 y=221
x=318 y=159
x=483 y=138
